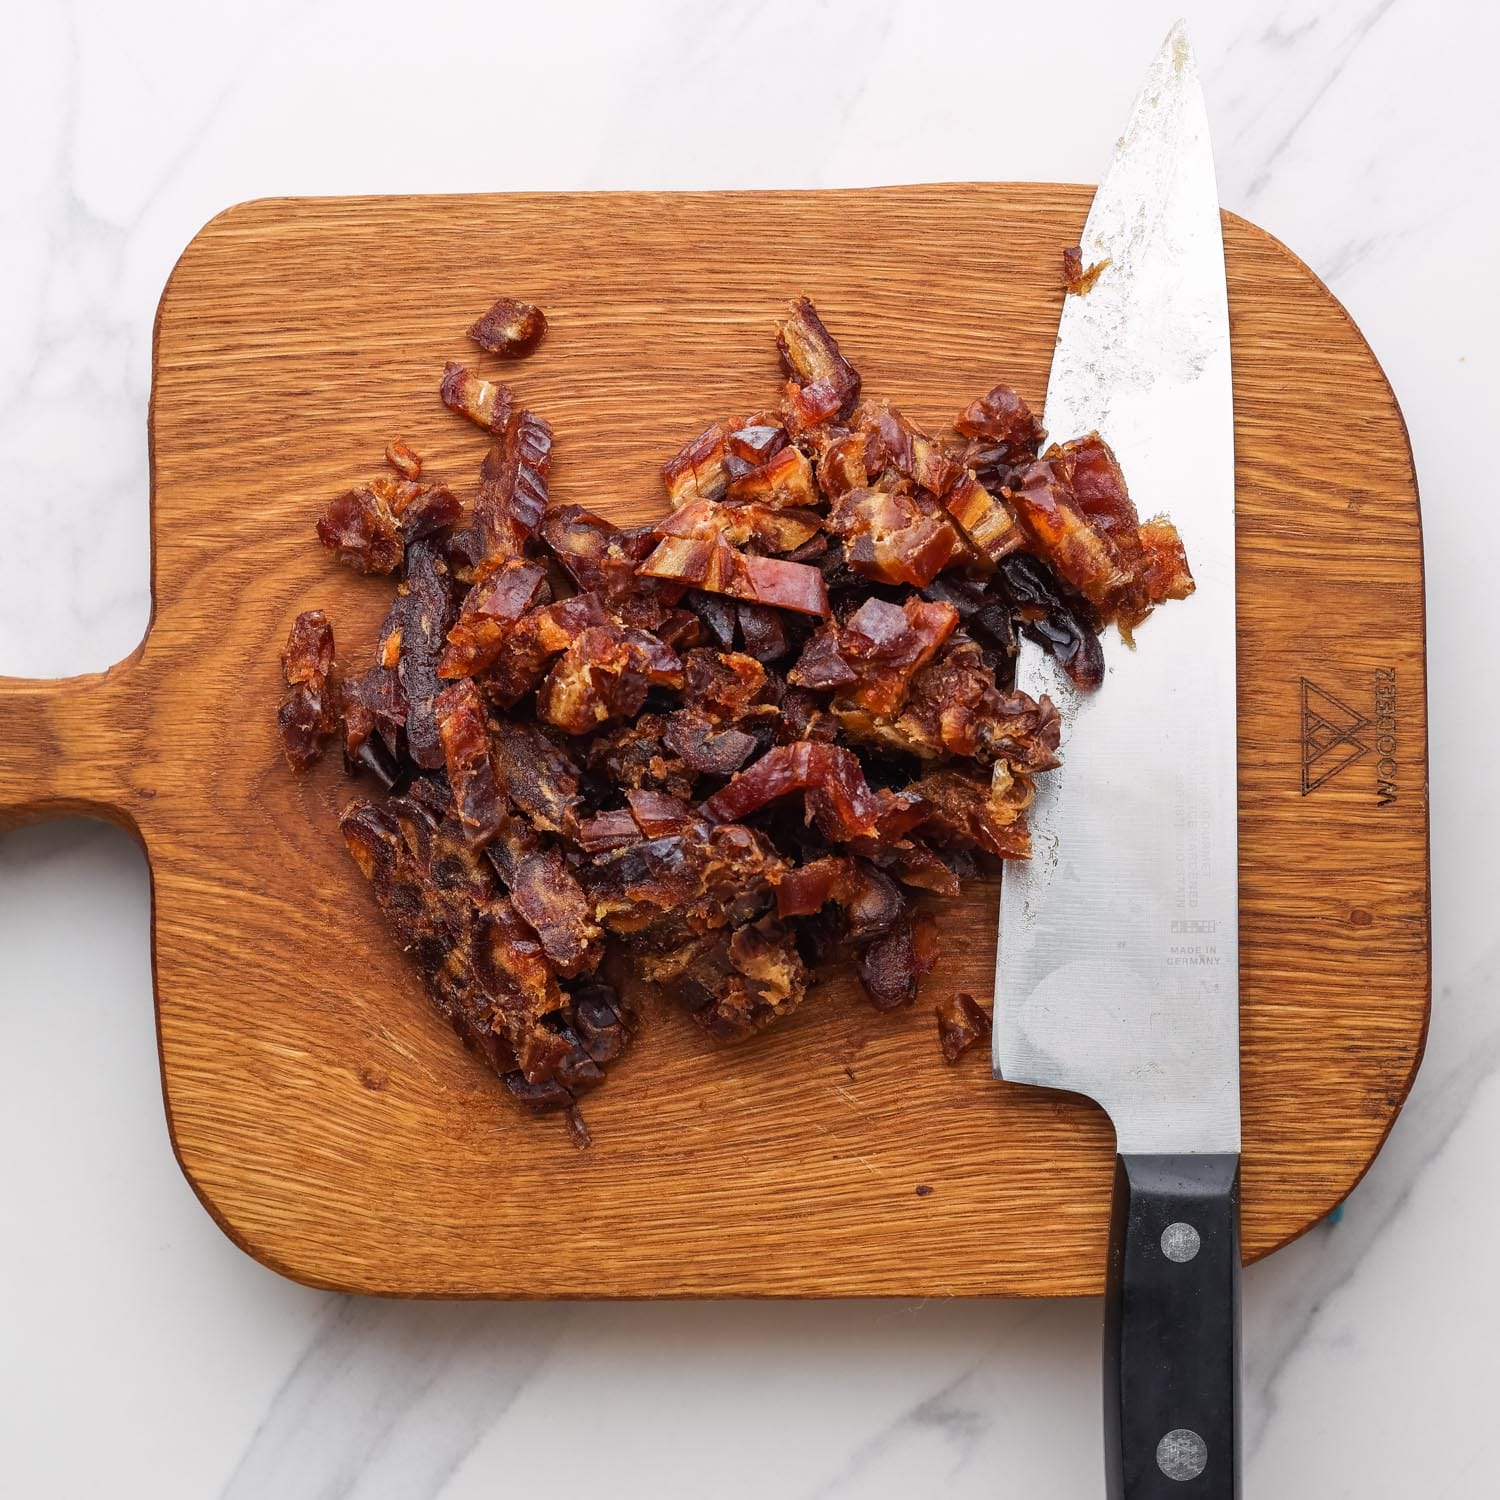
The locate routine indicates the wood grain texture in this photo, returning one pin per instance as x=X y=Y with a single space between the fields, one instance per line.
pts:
x=328 y=1119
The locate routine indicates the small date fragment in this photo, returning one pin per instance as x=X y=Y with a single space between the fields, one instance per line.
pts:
x=511 y=328
x=961 y=1024
x=308 y=717
x=1077 y=277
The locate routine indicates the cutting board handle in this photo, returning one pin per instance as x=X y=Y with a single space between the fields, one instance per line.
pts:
x=73 y=745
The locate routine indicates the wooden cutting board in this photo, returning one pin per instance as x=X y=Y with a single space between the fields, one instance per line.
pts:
x=327 y=1118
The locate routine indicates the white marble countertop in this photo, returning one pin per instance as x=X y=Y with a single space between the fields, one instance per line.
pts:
x=141 y=1353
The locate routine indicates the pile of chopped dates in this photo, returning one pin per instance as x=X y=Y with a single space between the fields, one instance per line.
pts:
x=710 y=754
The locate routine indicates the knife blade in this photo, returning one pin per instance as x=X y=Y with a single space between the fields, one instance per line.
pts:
x=1117 y=974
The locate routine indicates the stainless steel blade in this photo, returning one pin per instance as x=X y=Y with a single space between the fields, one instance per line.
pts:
x=1118 y=970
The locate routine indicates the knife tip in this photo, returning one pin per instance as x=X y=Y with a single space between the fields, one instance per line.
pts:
x=1177 y=50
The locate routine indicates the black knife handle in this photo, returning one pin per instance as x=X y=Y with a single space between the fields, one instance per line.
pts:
x=1172 y=1330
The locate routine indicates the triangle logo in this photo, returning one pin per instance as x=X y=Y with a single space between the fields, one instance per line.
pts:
x=1330 y=730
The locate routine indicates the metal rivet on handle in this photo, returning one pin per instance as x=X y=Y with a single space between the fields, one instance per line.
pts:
x=1182 y=1454
x=1180 y=1242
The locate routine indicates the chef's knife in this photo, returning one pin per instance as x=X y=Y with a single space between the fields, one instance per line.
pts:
x=1118 y=969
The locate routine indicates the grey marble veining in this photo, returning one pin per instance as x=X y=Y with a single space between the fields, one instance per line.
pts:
x=1360 y=133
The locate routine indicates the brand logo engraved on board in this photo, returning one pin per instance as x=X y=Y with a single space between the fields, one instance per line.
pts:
x=1385 y=736
x=1330 y=736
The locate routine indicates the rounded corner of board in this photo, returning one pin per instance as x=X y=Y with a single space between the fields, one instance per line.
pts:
x=1284 y=252
x=232 y=218
x=250 y=1243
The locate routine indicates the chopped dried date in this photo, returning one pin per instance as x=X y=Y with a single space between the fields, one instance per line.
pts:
x=367 y=751
x=784 y=585
x=890 y=967
x=811 y=551
x=887 y=646
x=961 y=1024
x=577 y=1070
x=1078 y=552
x=822 y=664
x=873 y=903
x=966 y=595
x=1076 y=278
x=539 y=635
x=305 y=723
x=784 y=480
x=307 y=657
x=744 y=523
x=486 y=403
x=1074 y=502
x=833 y=784
x=604 y=674
x=514 y=841
x=657 y=814
x=581 y=542
x=717 y=567
x=801 y=716
x=424 y=510
x=485 y=968
x=378 y=693
x=511 y=328
x=608 y=830
x=762 y=631
x=811 y=405
x=954 y=708
x=876 y=652
x=703 y=748
x=514 y=972
x=373 y=710
x=722 y=684
x=359 y=529
x=512 y=494
x=543 y=1097
x=369 y=527
x=537 y=776
x=636 y=755
x=548 y=897
x=578 y=1130
x=403 y=458
x=987 y=521
x=757 y=442
x=1001 y=417
x=424 y=614
x=699 y=471
x=827 y=384
x=914 y=864
x=736 y=983
x=489 y=613
x=963 y=810
x=1165 y=572
x=810 y=887
x=597 y=1021
x=910 y=452
x=659 y=892
x=895 y=535
x=677 y=629
x=840 y=456
x=467 y=753
x=990 y=463
x=1062 y=622
x=717 y=613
